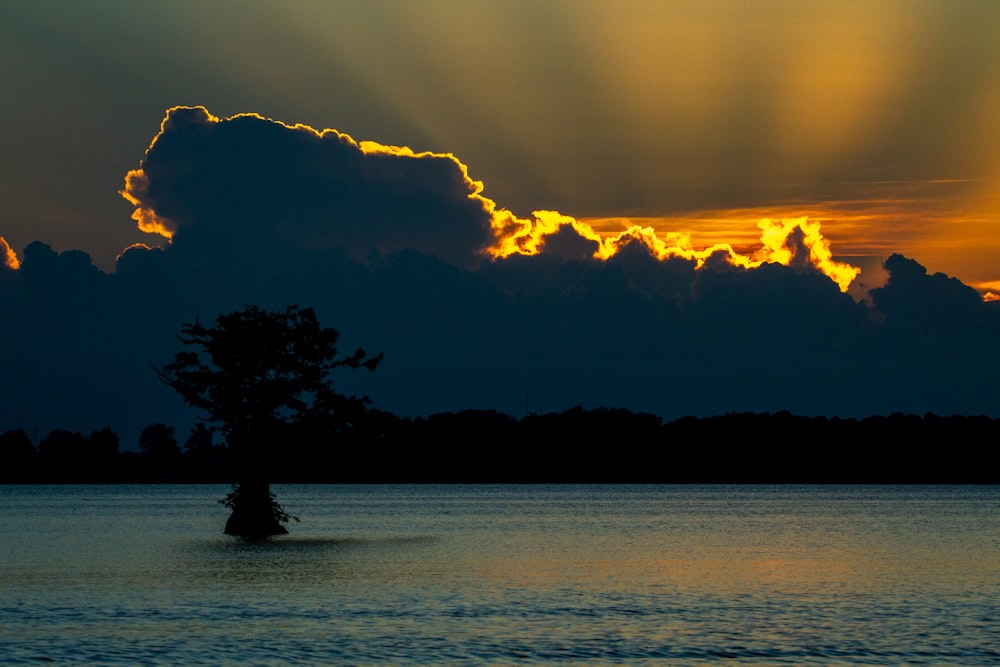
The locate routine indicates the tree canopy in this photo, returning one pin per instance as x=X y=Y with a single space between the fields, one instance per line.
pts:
x=254 y=365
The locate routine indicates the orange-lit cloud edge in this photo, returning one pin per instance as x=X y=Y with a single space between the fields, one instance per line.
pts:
x=795 y=240
x=8 y=256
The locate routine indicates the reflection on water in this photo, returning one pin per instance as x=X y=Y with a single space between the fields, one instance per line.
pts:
x=691 y=575
x=289 y=561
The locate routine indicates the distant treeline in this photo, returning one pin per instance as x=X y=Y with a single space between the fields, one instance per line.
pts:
x=600 y=445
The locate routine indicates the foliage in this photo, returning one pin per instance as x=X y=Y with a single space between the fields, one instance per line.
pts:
x=255 y=366
x=158 y=439
x=618 y=446
x=232 y=500
x=199 y=439
x=159 y=452
x=73 y=457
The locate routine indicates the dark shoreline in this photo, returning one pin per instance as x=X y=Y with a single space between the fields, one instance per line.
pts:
x=576 y=446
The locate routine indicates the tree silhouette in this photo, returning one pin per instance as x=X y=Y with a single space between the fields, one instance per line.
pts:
x=69 y=457
x=17 y=457
x=199 y=439
x=256 y=374
x=160 y=451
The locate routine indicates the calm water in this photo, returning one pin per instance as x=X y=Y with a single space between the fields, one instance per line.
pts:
x=677 y=575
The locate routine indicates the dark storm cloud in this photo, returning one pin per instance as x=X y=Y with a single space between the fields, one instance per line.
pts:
x=569 y=244
x=250 y=184
x=272 y=215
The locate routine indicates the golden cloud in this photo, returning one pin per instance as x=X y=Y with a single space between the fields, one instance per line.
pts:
x=9 y=257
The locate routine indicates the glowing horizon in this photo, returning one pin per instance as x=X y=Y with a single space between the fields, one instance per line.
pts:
x=777 y=243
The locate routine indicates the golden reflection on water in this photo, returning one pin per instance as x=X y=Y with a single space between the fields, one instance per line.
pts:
x=701 y=575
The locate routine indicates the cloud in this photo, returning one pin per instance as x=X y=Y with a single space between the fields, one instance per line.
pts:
x=243 y=183
x=473 y=306
x=796 y=242
x=8 y=256
x=253 y=185
x=924 y=309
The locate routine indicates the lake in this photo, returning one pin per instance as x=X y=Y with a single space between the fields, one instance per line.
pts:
x=502 y=575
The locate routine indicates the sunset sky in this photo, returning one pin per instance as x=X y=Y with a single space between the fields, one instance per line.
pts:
x=879 y=120
x=527 y=206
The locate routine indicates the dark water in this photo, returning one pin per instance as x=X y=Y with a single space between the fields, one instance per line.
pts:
x=500 y=575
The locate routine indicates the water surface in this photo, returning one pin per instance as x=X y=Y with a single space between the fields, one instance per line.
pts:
x=498 y=575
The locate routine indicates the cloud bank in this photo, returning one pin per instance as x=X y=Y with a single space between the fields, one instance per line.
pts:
x=240 y=182
x=248 y=182
x=473 y=306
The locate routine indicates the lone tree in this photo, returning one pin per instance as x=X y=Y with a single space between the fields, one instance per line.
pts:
x=254 y=373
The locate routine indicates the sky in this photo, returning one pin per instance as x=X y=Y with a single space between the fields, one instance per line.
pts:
x=570 y=183
x=878 y=119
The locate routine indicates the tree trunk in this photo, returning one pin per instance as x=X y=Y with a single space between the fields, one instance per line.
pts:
x=253 y=512
x=253 y=508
